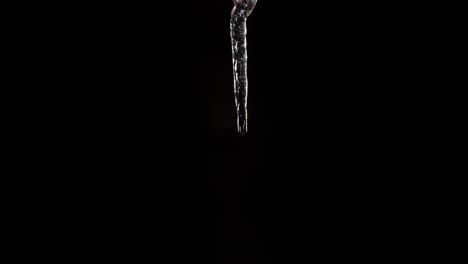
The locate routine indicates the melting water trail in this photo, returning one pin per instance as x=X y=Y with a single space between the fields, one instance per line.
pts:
x=242 y=9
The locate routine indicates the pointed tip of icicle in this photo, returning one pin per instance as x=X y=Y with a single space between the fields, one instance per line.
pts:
x=242 y=130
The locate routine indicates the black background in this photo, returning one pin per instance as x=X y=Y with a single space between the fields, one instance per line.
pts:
x=148 y=139
x=325 y=91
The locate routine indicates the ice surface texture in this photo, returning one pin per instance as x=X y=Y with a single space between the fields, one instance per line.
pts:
x=242 y=9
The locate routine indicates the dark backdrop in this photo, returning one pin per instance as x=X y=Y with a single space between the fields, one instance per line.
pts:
x=309 y=177
x=152 y=137
x=319 y=77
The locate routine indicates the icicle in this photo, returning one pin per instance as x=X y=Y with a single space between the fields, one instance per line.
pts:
x=242 y=9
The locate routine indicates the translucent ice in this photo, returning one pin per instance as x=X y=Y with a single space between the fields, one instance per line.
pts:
x=242 y=9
